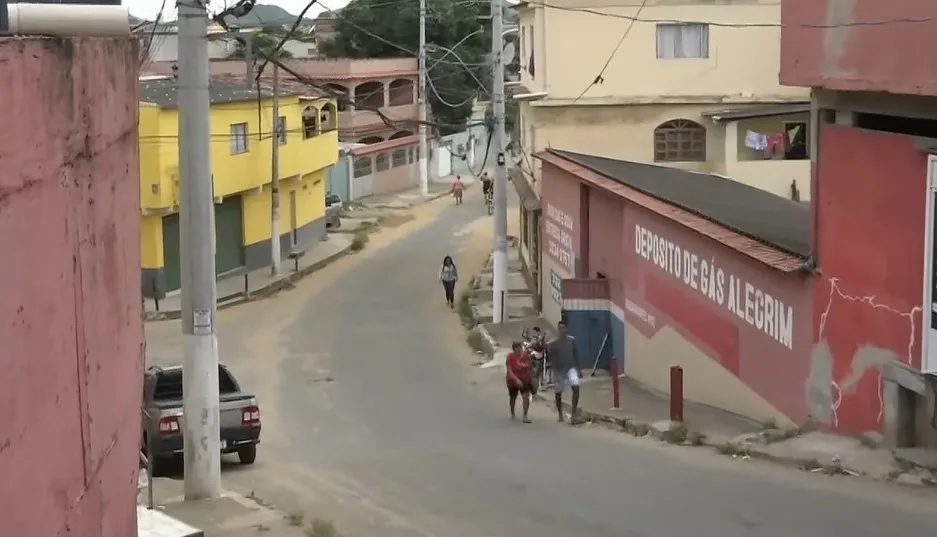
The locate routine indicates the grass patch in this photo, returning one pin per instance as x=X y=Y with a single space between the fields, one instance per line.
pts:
x=321 y=528
x=360 y=240
x=676 y=434
x=694 y=438
x=465 y=311
x=731 y=449
x=769 y=424
x=296 y=519
x=475 y=341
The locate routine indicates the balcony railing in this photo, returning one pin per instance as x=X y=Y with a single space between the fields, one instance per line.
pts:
x=363 y=120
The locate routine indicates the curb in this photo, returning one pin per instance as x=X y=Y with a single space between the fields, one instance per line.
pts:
x=273 y=288
x=405 y=206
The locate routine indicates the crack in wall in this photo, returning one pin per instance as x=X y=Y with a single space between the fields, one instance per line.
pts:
x=823 y=392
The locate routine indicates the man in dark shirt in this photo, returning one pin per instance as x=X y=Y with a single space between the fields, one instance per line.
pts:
x=564 y=362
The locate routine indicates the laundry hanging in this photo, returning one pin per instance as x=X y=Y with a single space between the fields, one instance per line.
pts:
x=755 y=140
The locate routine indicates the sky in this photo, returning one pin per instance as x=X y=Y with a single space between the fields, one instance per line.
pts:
x=147 y=9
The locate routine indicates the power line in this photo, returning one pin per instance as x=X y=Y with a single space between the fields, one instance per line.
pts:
x=598 y=78
x=635 y=18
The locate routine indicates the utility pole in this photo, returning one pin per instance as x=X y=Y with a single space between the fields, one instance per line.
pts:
x=424 y=172
x=275 y=175
x=196 y=235
x=501 y=172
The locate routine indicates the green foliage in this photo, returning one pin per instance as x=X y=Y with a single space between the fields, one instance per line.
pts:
x=448 y=21
x=264 y=42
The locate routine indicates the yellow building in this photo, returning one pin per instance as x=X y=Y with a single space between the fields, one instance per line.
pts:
x=241 y=159
x=664 y=82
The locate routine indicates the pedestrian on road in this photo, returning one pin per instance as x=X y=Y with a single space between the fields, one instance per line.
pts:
x=448 y=276
x=457 y=188
x=519 y=379
x=564 y=363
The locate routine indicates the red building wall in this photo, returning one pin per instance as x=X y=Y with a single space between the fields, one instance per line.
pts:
x=70 y=318
x=721 y=305
x=870 y=233
x=608 y=247
x=561 y=220
x=839 y=45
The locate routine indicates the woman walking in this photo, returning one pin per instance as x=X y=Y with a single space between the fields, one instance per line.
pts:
x=519 y=379
x=448 y=276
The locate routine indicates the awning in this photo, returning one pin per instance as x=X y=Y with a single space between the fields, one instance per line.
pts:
x=529 y=199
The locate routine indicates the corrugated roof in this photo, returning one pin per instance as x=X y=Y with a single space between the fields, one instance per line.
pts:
x=733 y=114
x=164 y=92
x=769 y=228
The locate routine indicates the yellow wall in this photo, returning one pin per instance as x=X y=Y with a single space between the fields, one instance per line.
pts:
x=151 y=241
x=152 y=186
x=310 y=205
x=742 y=62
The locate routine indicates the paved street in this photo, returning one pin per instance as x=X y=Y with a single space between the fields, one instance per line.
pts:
x=374 y=418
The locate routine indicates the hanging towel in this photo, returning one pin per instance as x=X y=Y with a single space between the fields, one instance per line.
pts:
x=776 y=143
x=756 y=141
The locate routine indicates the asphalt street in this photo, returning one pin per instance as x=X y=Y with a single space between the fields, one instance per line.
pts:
x=375 y=418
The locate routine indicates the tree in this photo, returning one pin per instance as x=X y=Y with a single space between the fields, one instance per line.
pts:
x=398 y=23
x=263 y=43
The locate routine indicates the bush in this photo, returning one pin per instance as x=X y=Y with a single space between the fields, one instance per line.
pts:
x=359 y=241
x=475 y=341
x=466 y=313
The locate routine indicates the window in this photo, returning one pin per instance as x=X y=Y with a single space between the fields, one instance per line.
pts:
x=680 y=140
x=399 y=158
x=238 y=138
x=281 y=130
x=796 y=132
x=684 y=40
x=362 y=166
x=382 y=161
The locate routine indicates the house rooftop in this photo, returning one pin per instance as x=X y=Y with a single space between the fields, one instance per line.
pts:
x=735 y=114
x=163 y=92
x=771 y=220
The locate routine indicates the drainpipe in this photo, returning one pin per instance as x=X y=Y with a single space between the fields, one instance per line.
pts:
x=64 y=20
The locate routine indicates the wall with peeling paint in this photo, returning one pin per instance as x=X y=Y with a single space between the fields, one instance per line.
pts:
x=837 y=44
x=71 y=310
x=871 y=189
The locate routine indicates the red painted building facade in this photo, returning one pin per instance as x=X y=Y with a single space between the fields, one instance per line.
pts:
x=873 y=137
x=676 y=289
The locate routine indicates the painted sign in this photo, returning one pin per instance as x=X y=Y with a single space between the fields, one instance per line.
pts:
x=756 y=307
x=556 y=287
x=559 y=229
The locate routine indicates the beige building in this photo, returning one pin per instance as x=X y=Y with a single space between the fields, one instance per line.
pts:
x=643 y=83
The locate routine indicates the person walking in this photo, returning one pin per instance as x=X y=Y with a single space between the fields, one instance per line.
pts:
x=448 y=276
x=564 y=364
x=457 y=188
x=519 y=379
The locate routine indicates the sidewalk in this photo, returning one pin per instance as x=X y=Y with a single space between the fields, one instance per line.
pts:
x=234 y=290
x=408 y=198
x=231 y=515
x=646 y=412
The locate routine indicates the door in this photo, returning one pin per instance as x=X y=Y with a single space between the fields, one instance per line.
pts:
x=171 y=261
x=229 y=244
x=929 y=359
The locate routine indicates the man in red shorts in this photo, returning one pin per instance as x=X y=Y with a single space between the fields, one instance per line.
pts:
x=519 y=380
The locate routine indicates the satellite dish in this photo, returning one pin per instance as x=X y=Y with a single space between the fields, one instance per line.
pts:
x=508 y=53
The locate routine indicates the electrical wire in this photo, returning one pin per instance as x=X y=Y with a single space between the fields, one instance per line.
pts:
x=439 y=97
x=598 y=79
x=879 y=22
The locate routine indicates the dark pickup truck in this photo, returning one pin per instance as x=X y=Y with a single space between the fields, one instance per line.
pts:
x=163 y=422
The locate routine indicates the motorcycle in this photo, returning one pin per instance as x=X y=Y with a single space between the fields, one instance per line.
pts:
x=534 y=346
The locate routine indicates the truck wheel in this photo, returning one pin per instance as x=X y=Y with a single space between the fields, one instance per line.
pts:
x=248 y=454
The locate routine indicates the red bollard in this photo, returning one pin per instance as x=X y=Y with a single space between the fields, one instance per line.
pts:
x=676 y=394
x=613 y=369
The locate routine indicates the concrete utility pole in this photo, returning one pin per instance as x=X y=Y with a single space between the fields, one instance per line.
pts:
x=275 y=175
x=501 y=173
x=424 y=172
x=196 y=235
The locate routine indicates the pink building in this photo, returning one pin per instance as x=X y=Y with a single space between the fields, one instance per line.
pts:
x=70 y=319
x=873 y=144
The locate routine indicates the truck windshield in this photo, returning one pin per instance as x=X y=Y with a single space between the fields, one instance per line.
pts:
x=169 y=384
